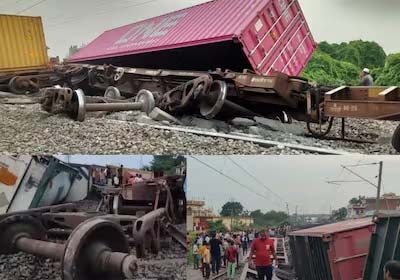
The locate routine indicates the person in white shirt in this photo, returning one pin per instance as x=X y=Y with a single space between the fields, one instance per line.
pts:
x=116 y=181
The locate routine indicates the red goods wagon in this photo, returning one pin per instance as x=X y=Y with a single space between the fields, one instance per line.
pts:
x=332 y=252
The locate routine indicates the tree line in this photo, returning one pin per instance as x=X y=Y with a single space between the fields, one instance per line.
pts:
x=340 y=64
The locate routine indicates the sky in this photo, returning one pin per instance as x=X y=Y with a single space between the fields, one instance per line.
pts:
x=129 y=161
x=74 y=22
x=303 y=181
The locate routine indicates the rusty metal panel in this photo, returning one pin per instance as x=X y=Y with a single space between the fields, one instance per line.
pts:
x=22 y=43
x=385 y=246
x=265 y=35
x=380 y=103
x=335 y=251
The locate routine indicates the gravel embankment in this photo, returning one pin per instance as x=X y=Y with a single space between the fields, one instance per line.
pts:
x=27 y=129
x=169 y=264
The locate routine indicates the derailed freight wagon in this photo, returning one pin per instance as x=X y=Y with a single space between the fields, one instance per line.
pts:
x=24 y=62
x=332 y=252
x=28 y=182
x=261 y=35
x=22 y=44
x=385 y=246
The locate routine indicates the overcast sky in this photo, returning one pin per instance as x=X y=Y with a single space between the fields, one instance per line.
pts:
x=298 y=180
x=126 y=160
x=70 y=22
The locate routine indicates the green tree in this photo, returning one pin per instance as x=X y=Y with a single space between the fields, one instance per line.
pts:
x=271 y=218
x=340 y=214
x=232 y=208
x=354 y=200
x=371 y=54
x=340 y=64
x=238 y=226
x=389 y=75
x=350 y=54
x=325 y=70
x=166 y=164
x=357 y=200
x=359 y=53
x=216 y=226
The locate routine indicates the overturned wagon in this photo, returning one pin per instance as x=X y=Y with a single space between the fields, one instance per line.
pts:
x=332 y=252
x=262 y=35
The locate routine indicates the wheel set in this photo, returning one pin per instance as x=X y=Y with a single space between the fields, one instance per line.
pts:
x=96 y=249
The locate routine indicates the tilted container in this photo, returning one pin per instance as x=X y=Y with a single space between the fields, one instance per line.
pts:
x=29 y=182
x=22 y=43
x=262 y=35
x=332 y=252
x=385 y=246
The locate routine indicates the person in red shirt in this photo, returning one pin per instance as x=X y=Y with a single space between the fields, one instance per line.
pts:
x=263 y=248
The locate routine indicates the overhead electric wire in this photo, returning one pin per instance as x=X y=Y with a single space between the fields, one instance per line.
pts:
x=359 y=176
x=30 y=7
x=256 y=179
x=363 y=164
x=232 y=179
x=76 y=19
x=101 y=5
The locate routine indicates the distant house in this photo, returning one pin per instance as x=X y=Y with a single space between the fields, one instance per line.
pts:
x=198 y=217
x=389 y=203
x=356 y=211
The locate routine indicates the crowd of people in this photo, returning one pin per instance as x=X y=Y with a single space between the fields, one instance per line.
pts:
x=114 y=177
x=213 y=251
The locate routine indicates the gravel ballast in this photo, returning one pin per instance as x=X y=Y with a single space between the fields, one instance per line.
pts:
x=170 y=263
x=26 y=129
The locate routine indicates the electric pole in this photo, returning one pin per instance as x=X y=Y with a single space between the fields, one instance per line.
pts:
x=378 y=195
x=377 y=186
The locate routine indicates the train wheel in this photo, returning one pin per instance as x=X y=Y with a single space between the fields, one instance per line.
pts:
x=396 y=139
x=18 y=86
x=320 y=129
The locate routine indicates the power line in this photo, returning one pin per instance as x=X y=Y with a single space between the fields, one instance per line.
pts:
x=76 y=19
x=103 y=5
x=256 y=179
x=231 y=179
x=359 y=176
x=30 y=7
x=363 y=164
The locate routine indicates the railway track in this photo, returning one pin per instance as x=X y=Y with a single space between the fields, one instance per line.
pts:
x=175 y=233
x=252 y=139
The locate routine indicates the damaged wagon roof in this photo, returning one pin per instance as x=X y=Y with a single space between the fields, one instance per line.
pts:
x=328 y=229
x=207 y=22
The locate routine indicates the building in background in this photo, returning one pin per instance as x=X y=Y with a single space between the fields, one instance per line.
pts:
x=198 y=217
x=389 y=203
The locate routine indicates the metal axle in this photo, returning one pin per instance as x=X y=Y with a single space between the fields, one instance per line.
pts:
x=96 y=249
x=100 y=256
x=144 y=102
